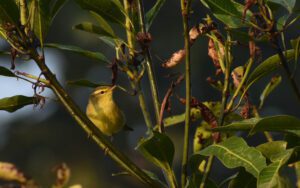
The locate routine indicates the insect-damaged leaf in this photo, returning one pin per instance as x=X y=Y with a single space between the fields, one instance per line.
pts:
x=158 y=149
x=11 y=104
x=234 y=152
x=275 y=81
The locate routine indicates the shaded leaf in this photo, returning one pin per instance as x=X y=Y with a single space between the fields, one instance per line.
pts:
x=57 y=6
x=105 y=8
x=234 y=152
x=288 y=4
x=93 y=55
x=275 y=81
x=91 y=28
x=158 y=149
x=85 y=83
x=269 y=65
x=6 y=72
x=228 y=12
x=243 y=180
x=9 y=172
x=9 y=12
x=11 y=104
x=152 y=13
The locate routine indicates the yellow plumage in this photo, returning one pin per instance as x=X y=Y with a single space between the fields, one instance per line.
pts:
x=104 y=112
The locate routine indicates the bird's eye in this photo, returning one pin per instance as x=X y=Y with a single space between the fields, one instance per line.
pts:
x=102 y=92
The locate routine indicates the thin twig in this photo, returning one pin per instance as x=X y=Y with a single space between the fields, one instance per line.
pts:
x=185 y=12
x=149 y=63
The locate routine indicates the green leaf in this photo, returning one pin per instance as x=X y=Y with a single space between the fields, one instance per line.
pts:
x=103 y=23
x=234 y=152
x=40 y=19
x=6 y=72
x=57 y=6
x=242 y=180
x=288 y=4
x=270 y=149
x=275 y=81
x=91 y=28
x=11 y=104
x=269 y=65
x=158 y=149
x=269 y=176
x=152 y=13
x=282 y=21
x=85 y=83
x=9 y=12
x=105 y=8
x=228 y=12
x=296 y=45
x=279 y=123
x=93 y=55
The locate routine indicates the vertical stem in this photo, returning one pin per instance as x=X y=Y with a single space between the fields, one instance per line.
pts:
x=149 y=64
x=121 y=159
x=185 y=12
x=136 y=84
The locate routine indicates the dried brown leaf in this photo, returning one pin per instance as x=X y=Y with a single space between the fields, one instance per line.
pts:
x=9 y=172
x=175 y=59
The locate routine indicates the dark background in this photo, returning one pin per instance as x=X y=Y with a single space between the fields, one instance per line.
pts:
x=38 y=139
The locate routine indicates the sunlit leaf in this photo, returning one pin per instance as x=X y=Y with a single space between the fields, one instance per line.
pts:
x=85 y=83
x=158 y=149
x=11 y=104
x=270 y=149
x=93 y=55
x=6 y=72
x=234 y=152
x=40 y=19
x=269 y=176
x=279 y=123
x=229 y=12
x=275 y=81
x=152 y=13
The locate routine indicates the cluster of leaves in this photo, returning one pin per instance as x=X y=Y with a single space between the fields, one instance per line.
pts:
x=249 y=24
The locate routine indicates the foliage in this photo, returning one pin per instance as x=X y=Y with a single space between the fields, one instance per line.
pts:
x=250 y=24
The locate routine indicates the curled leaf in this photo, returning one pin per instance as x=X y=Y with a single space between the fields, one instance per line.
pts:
x=175 y=59
x=9 y=172
x=11 y=104
x=275 y=81
x=201 y=136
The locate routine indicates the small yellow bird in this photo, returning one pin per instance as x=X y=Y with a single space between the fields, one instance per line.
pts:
x=104 y=112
